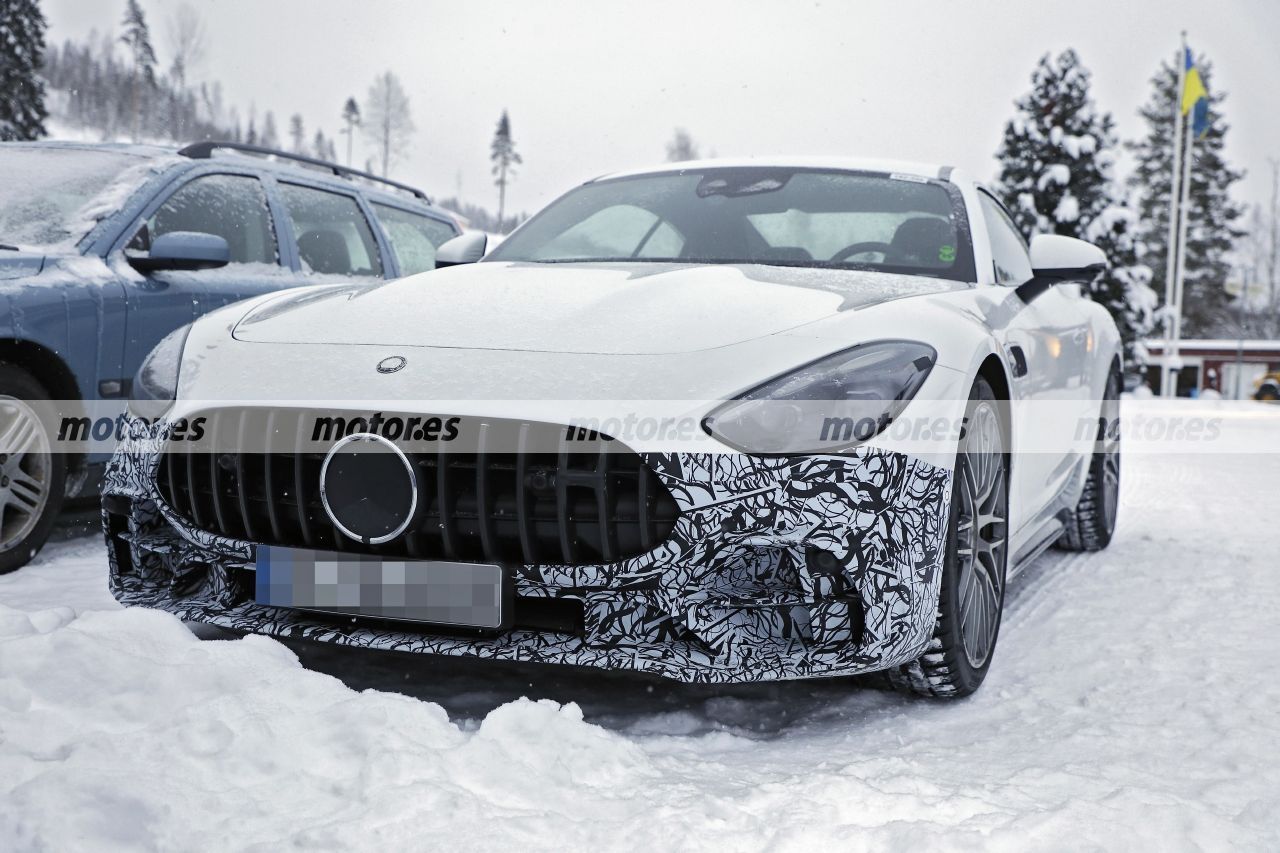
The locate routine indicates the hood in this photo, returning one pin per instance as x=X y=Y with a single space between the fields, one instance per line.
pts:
x=637 y=309
x=19 y=264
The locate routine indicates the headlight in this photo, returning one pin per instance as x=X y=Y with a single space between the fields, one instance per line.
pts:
x=827 y=406
x=156 y=383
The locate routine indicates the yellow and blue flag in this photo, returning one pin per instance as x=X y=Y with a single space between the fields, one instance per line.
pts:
x=1195 y=97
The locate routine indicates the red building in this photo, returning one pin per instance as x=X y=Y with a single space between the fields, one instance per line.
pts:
x=1229 y=367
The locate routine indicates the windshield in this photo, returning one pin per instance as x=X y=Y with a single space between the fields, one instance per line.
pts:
x=50 y=197
x=785 y=217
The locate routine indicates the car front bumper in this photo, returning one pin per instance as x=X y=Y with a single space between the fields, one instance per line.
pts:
x=777 y=568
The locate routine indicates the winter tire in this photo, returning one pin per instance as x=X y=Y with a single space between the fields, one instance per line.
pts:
x=975 y=566
x=32 y=478
x=1094 y=519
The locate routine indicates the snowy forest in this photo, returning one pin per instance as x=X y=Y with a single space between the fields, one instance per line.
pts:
x=1057 y=164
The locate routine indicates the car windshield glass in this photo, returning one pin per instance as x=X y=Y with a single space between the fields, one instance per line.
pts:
x=784 y=217
x=51 y=196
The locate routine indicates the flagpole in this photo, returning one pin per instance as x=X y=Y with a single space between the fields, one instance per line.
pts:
x=1169 y=377
x=1184 y=208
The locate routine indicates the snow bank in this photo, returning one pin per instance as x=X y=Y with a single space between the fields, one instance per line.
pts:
x=1128 y=708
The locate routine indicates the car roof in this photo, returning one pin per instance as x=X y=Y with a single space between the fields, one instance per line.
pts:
x=851 y=164
x=279 y=164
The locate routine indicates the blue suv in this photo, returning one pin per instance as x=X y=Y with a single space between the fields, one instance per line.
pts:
x=105 y=249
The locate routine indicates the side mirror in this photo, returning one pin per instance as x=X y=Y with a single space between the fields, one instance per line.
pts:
x=184 y=250
x=463 y=249
x=1055 y=258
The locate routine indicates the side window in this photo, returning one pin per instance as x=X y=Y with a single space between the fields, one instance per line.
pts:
x=414 y=238
x=620 y=231
x=333 y=236
x=233 y=207
x=1009 y=252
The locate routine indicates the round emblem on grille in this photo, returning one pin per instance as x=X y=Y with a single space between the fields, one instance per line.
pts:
x=368 y=488
x=392 y=363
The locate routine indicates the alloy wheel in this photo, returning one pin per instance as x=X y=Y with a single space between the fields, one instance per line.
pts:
x=981 y=532
x=24 y=471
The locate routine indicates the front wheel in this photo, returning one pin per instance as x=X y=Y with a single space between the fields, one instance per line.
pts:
x=32 y=478
x=971 y=600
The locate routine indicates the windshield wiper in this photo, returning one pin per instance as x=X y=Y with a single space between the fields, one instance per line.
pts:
x=6 y=247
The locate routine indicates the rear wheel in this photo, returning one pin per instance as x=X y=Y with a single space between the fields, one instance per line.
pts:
x=32 y=478
x=1269 y=393
x=1094 y=520
x=973 y=575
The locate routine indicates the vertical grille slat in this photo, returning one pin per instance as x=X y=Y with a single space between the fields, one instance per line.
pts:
x=444 y=504
x=608 y=547
x=242 y=479
x=268 y=477
x=215 y=470
x=553 y=497
x=299 y=477
x=193 y=492
x=484 y=498
x=564 y=510
x=524 y=512
x=643 y=520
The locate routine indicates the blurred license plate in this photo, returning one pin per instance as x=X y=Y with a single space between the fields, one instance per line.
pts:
x=455 y=595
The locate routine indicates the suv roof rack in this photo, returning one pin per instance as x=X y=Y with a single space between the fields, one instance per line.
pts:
x=204 y=151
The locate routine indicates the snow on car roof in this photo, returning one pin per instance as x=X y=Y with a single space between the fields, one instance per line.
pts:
x=859 y=164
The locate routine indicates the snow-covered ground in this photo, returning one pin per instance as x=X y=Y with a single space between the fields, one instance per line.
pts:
x=1133 y=704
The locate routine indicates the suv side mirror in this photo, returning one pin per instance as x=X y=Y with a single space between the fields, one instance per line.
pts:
x=1055 y=258
x=463 y=249
x=184 y=250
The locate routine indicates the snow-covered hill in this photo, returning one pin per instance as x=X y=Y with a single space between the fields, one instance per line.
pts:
x=1131 y=706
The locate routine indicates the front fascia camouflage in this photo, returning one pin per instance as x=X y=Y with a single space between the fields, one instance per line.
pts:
x=728 y=597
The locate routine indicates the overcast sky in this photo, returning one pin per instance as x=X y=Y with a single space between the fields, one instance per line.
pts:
x=597 y=86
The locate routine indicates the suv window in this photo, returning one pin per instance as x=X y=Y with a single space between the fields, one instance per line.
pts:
x=414 y=238
x=332 y=233
x=234 y=207
x=1008 y=250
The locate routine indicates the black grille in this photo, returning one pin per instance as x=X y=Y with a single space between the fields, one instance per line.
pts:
x=552 y=501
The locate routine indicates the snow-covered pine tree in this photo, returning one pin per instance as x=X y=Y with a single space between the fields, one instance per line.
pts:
x=1125 y=288
x=1212 y=228
x=22 y=109
x=1056 y=178
x=1055 y=161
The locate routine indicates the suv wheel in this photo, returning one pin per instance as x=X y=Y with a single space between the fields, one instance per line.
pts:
x=32 y=478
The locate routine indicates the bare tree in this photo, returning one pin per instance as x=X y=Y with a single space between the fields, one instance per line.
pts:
x=1262 y=255
x=387 y=122
x=681 y=147
x=186 y=36
x=350 y=120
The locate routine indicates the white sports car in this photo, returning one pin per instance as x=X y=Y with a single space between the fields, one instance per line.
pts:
x=718 y=421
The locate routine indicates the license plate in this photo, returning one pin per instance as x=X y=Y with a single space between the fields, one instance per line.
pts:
x=451 y=595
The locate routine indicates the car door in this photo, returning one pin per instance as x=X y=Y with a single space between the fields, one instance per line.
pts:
x=1044 y=341
x=233 y=206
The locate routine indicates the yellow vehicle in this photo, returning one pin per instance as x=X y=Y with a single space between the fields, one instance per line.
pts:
x=1268 y=387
